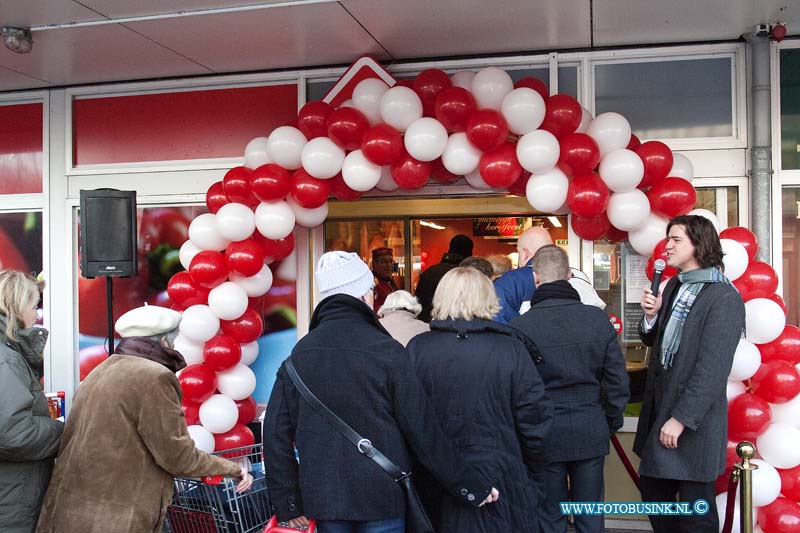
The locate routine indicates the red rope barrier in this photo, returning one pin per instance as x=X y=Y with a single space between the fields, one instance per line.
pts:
x=625 y=461
x=731 y=505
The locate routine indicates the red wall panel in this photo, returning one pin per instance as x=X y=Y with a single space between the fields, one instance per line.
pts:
x=21 y=144
x=179 y=125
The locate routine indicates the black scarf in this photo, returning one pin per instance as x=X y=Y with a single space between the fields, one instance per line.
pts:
x=560 y=290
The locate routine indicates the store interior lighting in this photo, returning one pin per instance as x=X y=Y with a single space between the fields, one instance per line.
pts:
x=430 y=224
x=555 y=222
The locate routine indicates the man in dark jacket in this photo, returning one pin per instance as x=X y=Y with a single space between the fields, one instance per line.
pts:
x=585 y=378
x=460 y=248
x=359 y=372
x=683 y=426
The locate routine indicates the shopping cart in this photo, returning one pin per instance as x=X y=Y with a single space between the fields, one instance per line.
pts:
x=199 y=506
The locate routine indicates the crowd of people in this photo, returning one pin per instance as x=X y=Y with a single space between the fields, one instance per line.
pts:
x=497 y=388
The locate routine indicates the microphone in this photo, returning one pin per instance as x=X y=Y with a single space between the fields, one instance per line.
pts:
x=658 y=270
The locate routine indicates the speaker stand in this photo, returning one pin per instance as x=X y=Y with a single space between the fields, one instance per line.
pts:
x=110 y=309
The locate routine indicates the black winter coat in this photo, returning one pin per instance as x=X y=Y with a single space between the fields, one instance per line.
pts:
x=429 y=280
x=491 y=402
x=364 y=376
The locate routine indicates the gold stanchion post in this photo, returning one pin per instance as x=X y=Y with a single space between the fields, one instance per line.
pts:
x=746 y=450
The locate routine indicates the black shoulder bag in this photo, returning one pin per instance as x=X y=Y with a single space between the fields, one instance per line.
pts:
x=416 y=519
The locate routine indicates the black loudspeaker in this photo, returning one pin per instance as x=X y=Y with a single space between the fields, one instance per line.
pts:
x=108 y=233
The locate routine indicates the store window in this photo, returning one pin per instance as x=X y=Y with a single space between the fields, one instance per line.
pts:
x=791 y=252
x=21 y=146
x=790 y=109
x=675 y=99
x=724 y=201
x=21 y=243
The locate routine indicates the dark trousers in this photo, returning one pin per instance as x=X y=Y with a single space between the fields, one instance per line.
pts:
x=669 y=490
x=585 y=485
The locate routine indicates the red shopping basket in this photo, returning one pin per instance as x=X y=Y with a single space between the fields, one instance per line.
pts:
x=282 y=527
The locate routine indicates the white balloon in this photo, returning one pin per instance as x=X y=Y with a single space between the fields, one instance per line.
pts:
x=228 y=301
x=367 y=98
x=256 y=285
x=746 y=361
x=287 y=270
x=764 y=320
x=611 y=131
x=475 y=180
x=547 y=192
x=400 y=107
x=308 y=218
x=538 y=151
x=203 y=439
x=322 y=158
x=788 y=412
x=274 y=220
x=645 y=237
x=346 y=103
x=255 y=153
x=586 y=119
x=460 y=156
x=722 y=505
x=734 y=257
x=779 y=445
x=681 y=167
x=523 y=109
x=628 y=210
x=186 y=254
x=490 y=86
x=387 y=183
x=219 y=413
x=204 y=234
x=249 y=353
x=285 y=147
x=766 y=483
x=235 y=222
x=425 y=139
x=237 y=383
x=359 y=173
x=191 y=351
x=706 y=214
x=463 y=79
x=198 y=324
x=622 y=170
x=734 y=389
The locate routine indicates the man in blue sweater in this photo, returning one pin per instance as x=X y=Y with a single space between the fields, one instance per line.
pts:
x=516 y=286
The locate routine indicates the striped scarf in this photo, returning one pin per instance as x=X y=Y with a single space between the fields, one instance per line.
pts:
x=694 y=281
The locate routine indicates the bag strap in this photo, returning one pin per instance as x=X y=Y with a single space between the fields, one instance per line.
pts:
x=362 y=445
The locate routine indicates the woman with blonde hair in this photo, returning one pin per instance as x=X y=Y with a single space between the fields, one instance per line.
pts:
x=490 y=399
x=398 y=315
x=29 y=438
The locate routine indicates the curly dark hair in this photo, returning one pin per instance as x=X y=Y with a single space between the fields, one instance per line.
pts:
x=700 y=230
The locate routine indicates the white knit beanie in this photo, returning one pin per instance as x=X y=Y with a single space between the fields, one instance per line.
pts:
x=146 y=321
x=343 y=273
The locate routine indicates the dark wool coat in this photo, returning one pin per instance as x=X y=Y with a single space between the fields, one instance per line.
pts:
x=584 y=373
x=28 y=436
x=491 y=402
x=693 y=389
x=125 y=439
x=429 y=280
x=365 y=377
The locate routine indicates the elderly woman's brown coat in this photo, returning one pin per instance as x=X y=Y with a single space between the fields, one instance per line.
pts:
x=125 y=439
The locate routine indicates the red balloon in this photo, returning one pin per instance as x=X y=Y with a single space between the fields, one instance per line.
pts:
x=748 y=417
x=657 y=159
x=341 y=190
x=487 y=129
x=236 y=186
x=776 y=381
x=182 y=290
x=407 y=82
x=634 y=143
x=270 y=182
x=246 y=328
x=758 y=281
x=208 y=268
x=743 y=236
x=785 y=348
x=275 y=249
x=246 y=257
x=590 y=228
x=441 y=174
x=781 y=516
x=90 y=358
x=247 y=410
x=562 y=115
x=308 y=191
x=778 y=300
x=587 y=195
x=579 y=154
x=454 y=107
x=428 y=85
x=409 y=173
x=381 y=144
x=346 y=126
x=198 y=382
x=615 y=235
x=191 y=412
x=215 y=197
x=671 y=197
x=536 y=84
x=312 y=117
x=221 y=352
x=238 y=437
x=518 y=188
x=731 y=457
x=790 y=483
x=500 y=167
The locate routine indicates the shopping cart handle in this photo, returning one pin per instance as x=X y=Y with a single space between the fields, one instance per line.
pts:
x=212 y=480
